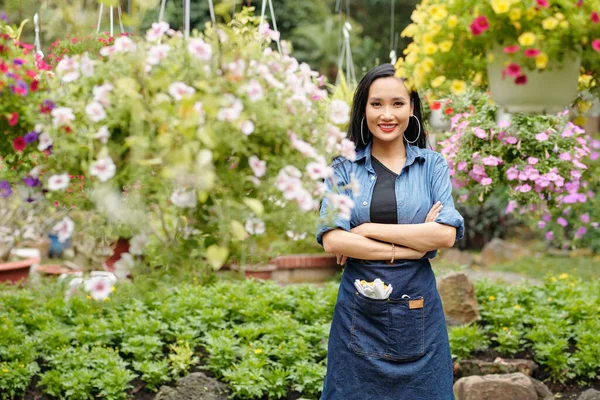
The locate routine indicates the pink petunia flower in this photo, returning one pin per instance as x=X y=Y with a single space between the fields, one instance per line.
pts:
x=513 y=69
x=521 y=79
x=511 y=49
x=594 y=17
x=479 y=25
x=561 y=221
x=541 y=137
x=543 y=3
x=596 y=45
x=531 y=53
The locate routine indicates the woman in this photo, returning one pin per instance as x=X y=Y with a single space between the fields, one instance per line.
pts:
x=395 y=348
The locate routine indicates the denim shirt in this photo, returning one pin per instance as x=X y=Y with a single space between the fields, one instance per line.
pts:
x=423 y=181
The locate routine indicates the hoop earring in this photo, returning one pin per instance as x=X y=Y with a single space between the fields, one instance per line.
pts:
x=362 y=122
x=418 y=135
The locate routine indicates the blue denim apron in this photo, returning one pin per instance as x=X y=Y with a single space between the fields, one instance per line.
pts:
x=384 y=349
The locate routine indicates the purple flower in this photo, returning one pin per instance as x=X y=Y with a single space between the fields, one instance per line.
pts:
x=31 y=181
x=561 y=221
x=30 y=137
x=5 y=189
x=3 y=16
x=595 y=225
x=549 y=235
x=18 y=61
x=541 y=224
x=20 y=88
x=580 y=232
x=585 y=218
x=540 y=137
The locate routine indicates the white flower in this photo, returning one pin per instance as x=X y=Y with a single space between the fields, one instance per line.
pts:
x=339 y=112
x=99 y=287
x=179 y=90
x=62 y=116
x=255 y=91
x=319 y=170
x=124 y=44
x=124 y=266
x=347 y=148
x=87 y=65
x=237 y=68
x=95 y=111
x=156 y=31
x=64 y=229
x=58 y=182
x=101 y=94
x=45 y=141
x=247 y=127
x=68 y=69
x=232 y=112
x=199 y=108
x=104 y=168
x=305 y=200
x=137 y=244
x=103 y=134
x=255 y=226
x=266 y=32
x=184 y=198
x=200 y=49
x=157 y=53
x=258 y=167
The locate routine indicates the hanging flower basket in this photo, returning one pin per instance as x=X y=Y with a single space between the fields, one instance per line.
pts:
x=438 y=119
x=533 y=91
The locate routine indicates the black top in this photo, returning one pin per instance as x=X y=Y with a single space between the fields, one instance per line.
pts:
x=384 y=209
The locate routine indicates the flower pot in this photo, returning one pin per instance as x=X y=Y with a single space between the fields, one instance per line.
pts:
x=16 y=271
x=438 y=120
x=122 y=246
x=546 y=91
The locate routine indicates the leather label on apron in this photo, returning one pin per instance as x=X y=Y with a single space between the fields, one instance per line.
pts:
x=416 y=304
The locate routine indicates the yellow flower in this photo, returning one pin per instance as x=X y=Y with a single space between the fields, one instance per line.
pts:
x=563 y=276
x=458 y=87
x=438 y=81
x=428 y=38
x=549 y=299
x=550 y=23
x=399 y=63
x=517 y=307
x=553 y=279
x=504 y=328
x=559 y=16
x=411 y=58
x=434 y=29
x=400 y=72
x=445 y=46
x=490 y=58
x=580 y=121
x=478 y=79
x=584 y=106
x=500 y=6
x=409 y=31
x=564 y=24
x=452 y=21
x=515 y=14
x=107 y=299
x=527 y=39
x=428 y=63
x=88 y=297
x=430 y=48
x=4 y=370
x=530 y=13
x=112 y=288
x=492 y=298
x=438 y=12
x=258 y=351
x=541 y=60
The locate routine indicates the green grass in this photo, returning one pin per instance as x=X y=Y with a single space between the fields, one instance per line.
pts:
x=538 y=267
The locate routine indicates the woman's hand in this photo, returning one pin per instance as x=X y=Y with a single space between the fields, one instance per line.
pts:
x=341 y=259
x=434 y=212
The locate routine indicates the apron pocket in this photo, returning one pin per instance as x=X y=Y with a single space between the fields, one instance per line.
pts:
x=388 y=329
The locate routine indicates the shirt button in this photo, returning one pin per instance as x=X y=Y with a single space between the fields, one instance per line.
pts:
x=364 y=203
x=372 y=177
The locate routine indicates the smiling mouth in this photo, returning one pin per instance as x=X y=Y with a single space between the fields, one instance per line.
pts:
x=387 y=127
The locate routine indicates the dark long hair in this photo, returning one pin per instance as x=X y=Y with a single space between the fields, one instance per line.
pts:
x=359 y=105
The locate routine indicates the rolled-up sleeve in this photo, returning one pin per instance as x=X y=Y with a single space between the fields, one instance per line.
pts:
x=329 y=219
x=442 y=192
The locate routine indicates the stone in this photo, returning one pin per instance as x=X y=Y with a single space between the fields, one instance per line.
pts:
x=456 y=257
x=542 y=390
x=499 y=366
x=458 y=298
x=590 y=394
x=495 y=387
x=195 y=386
x=497 y=251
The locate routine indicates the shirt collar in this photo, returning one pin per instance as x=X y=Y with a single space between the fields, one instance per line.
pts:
x=412 y=154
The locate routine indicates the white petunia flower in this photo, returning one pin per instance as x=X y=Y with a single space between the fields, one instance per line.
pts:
x=318 y=171
x=255 y=91
x=179 y=90
x=137 y=244
x=99 y=287
x=199 y=108
x=199 y=49
x=58 y=182
x=124 y=44
x=339 y=112
x=61 y=116
x=157 y=53
x=184 y=198
x=68 y=69
x=64 y=229
x=103 y=134
x=44 y=141
x=95 y=111
x=156 y=31
x=258 y=166
x=104 y=168
x=247 y=127
x=101 y=93
x=87 y=65
x=124 y=266
x=255 y=226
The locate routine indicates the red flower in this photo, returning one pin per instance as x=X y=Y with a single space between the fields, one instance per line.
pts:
x=436 y=105
x=19 y=143
x=595 y=18
x=34 y=85
x=511 y=49
x=449 y=111
x=543 y=3
x=579 y=3
x=596 y=44
x=531 y=53
x=521 y=79
x=3 y=67
x=14 y=119
x=31 y=73
x=479 y=25
x=513 y=69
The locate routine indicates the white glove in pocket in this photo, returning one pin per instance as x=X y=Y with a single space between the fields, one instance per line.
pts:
x=376 y=290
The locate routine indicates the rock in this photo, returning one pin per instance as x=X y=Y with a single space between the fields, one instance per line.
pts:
x=495 y=387
x=542 y=390
x=456 y=257
x=499 y=366
x=497 y=251
x=195 y=386
x=458 y=298
x=590 y=394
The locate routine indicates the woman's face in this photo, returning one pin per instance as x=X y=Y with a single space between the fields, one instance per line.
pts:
x=388 y=109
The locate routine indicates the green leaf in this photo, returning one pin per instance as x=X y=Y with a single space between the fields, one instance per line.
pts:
x=255 y=205
x=216 y=256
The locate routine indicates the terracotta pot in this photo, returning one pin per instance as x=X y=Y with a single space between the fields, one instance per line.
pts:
x=16 y=271
x=54 y=270
x=294 y=261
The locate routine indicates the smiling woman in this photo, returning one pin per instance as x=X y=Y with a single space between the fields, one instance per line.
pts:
x=403 y=213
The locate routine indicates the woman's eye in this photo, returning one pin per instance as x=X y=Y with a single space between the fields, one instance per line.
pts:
x=399 y=104
x=375 y=104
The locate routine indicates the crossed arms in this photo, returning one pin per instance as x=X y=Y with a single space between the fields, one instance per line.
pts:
x=372 y=241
